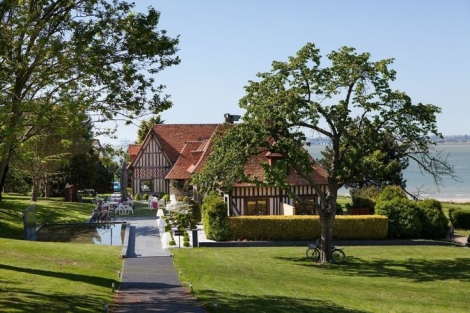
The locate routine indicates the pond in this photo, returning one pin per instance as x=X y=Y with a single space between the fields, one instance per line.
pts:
x=111 y=234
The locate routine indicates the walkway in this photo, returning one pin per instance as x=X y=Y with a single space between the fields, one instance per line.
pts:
x=149 y=280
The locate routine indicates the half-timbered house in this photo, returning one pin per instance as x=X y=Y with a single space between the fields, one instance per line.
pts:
x=171 y=153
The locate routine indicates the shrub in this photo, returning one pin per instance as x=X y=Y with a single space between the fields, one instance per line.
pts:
x=339 y=209
x=215 y=217
x=364 y=197
x=403 y=217
x=433 y=219
x=137 y=196
x=145 y=196
x=460 y=219
x=390 y=193
x=194 y=212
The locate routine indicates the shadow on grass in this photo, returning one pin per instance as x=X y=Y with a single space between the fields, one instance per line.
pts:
x=233 y=302
x=419 y=270
x=98 y=281
x=20 y=300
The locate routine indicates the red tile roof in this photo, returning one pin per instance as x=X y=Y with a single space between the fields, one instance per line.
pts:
x=186 y=160
x=173 y=137
x=189 y=145
x=132 y=150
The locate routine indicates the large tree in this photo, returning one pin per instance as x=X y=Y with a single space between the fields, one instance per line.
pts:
x=350 y=95
x=75 y=56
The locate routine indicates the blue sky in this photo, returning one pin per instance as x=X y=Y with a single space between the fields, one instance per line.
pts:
x=224 y=44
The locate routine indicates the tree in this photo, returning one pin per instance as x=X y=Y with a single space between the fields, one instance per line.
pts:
x=350 y=95
x=83 y=56
x=146 y=126
x=382 y=165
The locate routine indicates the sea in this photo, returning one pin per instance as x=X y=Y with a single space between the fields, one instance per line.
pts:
x=450 y=189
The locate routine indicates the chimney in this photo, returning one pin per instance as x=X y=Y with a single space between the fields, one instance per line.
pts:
x=229 y=118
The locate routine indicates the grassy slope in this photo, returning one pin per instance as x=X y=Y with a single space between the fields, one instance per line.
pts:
x=52 y=277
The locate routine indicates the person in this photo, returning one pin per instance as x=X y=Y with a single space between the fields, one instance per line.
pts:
x=155 y=203
x=97 y=199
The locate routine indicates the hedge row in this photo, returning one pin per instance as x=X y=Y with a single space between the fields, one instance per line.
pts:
x=304 y=228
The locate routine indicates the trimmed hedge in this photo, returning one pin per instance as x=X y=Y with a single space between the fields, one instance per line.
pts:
x=304 y=228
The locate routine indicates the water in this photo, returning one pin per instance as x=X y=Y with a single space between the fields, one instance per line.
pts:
x=111 y=234
x=423 y=184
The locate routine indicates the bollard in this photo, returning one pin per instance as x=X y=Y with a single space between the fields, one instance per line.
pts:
x=195 y=239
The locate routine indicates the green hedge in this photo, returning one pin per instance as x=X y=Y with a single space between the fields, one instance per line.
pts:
x=460 y=219
x=304 y=228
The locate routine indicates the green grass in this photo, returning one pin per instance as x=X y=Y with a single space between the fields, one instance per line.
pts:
x=57 y=277
x=373 y=279
x=52 y=277
x=51 y=210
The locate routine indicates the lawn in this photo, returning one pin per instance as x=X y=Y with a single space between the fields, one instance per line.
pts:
x=62 y=277
x=373 y=279
x=57 y=277
x=53 y=277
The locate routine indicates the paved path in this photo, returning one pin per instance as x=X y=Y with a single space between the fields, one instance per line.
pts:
x=149 y=280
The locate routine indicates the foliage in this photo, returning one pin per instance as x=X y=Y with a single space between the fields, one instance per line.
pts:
x=215 y=218
x=435 y=223
x=305 y=228
x=88 y=170
x=339 y=209
x=63 y=60
x=460 y=219
x=194 y=212
x=382 y=161
x=390 y=193
x=350 y=96
x=137 y=196
x=364 y=197
x=403 y=217
x=145 y=196
x=146 y=126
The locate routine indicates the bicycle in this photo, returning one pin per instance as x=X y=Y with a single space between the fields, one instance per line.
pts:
x=313 y=252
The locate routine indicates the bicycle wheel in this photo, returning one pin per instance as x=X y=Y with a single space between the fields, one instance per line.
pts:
x=313 y=254
x=338 y=255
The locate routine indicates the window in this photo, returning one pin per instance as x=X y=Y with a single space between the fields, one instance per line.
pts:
x=256 y=207
x=145 y=185
x=305 y=206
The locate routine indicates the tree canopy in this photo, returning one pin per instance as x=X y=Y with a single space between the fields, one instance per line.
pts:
x=146 y=126
x=93 y=57
x=347 y=98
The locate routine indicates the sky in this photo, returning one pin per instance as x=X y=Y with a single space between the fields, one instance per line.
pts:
x=224 y=44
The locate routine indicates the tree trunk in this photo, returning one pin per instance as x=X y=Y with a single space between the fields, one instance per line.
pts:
x=2 y=181
x=47 y=187
x=35 y=193
x=327 y=219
